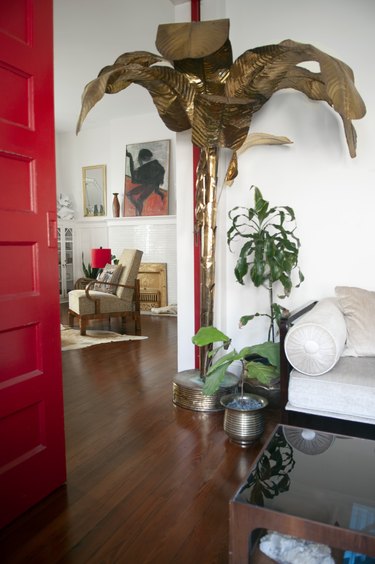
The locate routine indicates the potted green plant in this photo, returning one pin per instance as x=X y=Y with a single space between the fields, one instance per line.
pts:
x=268 y=257
x=243 y=417
x=267 y=354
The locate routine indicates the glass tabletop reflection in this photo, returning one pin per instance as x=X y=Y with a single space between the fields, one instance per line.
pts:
x=314 y=475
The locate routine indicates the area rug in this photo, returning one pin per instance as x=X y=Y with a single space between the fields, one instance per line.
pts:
x=71 y=338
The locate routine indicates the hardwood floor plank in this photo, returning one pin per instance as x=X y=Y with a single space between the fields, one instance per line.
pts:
x=148 y=482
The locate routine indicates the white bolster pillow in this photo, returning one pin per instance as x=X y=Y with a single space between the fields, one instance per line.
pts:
x=316 y=341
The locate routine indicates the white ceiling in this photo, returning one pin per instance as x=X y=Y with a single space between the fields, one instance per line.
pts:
x=90 y=34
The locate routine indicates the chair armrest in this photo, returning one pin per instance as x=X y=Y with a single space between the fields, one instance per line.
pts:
x=90 y=285
x=81 y=283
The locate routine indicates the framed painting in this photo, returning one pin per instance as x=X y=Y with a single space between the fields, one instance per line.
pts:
x=94 y=185
x=147 y=179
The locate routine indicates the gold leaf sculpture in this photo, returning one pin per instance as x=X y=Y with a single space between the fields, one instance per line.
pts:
x=196 y=85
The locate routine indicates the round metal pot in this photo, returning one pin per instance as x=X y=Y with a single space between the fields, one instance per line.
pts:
x=188 y=391
x=271 y=391
x=243 y=427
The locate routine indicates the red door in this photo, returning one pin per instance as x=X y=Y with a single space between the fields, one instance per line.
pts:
x=32 y=453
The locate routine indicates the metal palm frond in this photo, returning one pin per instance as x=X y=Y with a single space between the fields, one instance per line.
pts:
x=212 y=70
x=252 y=140
x=191 y=40
x=217 y=98
x=172 y=93
x=259 y=73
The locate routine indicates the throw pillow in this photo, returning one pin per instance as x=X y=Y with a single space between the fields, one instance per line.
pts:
x=358 y=307
x=111 y=273
x=315 y=342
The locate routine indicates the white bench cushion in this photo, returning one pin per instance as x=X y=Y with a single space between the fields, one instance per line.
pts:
x=347 y=391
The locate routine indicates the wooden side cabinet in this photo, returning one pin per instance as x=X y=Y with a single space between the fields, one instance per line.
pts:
x=65 y=238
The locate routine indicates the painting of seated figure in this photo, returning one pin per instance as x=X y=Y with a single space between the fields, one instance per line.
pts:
x=146 y=179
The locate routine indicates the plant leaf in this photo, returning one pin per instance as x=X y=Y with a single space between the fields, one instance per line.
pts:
x=209 y=335
x=215 y=377
x=267 y=350
x=265 y=374
x=241 y=269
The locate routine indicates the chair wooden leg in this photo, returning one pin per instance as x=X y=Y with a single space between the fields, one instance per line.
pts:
x=123 y=324
x=82 y=326
x=70 y=319
x=137 y=323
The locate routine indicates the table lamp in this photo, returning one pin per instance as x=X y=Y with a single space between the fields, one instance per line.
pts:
x=100 y=257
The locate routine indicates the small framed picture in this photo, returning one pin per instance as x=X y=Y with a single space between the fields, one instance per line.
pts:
x=147 y=179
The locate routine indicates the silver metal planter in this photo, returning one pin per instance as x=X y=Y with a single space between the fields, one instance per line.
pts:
x=270 y=392
x=187 y=391
x=243 y=427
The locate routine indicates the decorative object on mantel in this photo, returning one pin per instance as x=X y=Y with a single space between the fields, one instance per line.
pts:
x=64 y=207
x=115 y=205
x=71 y=338
x=217 y=98
x=147 y=184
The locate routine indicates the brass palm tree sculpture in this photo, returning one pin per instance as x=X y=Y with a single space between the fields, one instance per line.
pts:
x=197 y=86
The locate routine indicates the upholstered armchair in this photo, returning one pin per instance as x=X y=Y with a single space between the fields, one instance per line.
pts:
x=114 y=294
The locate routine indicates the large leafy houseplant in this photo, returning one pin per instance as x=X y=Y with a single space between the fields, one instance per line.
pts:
x=269 y=256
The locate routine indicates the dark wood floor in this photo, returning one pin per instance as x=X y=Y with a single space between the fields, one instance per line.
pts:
x=148 y=482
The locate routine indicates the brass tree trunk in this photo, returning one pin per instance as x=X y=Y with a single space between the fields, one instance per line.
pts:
x=205 y=214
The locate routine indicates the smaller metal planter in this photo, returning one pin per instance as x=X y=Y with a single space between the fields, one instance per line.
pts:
x=243 y=427
x=271 y=391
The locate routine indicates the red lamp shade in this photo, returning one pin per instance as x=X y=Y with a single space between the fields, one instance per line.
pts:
x=100 y=257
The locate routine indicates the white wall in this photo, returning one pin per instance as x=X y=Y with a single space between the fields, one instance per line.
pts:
x=90 y=34
x=107 y=145
x=332 y=194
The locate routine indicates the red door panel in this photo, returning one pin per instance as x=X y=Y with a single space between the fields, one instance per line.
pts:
x=32 y=450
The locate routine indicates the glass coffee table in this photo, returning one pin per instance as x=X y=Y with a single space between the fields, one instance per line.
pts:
x=310 y=485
